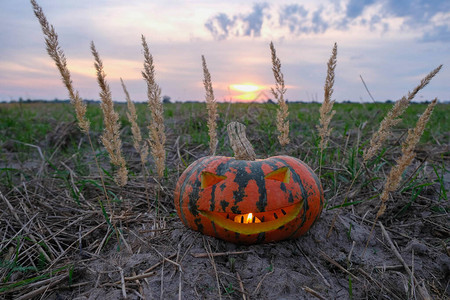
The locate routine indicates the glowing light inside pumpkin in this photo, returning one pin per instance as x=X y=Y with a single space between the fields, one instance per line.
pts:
x=246 y=219
x=266 y=223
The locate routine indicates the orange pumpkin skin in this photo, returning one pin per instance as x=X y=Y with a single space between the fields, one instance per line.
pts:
x=240 y=187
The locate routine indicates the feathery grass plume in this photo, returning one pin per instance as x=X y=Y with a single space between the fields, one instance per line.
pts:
x=395 y=175
x=326 y=113
x=111 y=134
x=278 y=92
x=392 y=118
x=142 y=149
x=156 y=127
x=408 y=154
x=57 y=54
x=211 y=106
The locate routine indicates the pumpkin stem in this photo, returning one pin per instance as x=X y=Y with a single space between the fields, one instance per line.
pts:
x=242 y=148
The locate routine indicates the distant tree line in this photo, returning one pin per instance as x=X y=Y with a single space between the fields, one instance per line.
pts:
x=167 y=99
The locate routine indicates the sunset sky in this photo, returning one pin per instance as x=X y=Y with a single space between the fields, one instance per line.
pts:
x=392 y=44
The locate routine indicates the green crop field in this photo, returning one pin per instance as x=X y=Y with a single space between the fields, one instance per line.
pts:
x=33 y=122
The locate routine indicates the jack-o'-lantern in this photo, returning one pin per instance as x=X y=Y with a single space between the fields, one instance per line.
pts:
x=249 y=201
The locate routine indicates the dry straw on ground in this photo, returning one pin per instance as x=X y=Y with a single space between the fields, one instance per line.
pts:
x=326 y=112
x=157 y=138
x=392 y=118
x=57 y=54
x=111 y=134
x=278 y=92
x=211 y=106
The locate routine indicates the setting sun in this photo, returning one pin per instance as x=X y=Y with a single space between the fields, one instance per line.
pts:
x=247 y=91
x=245 y=88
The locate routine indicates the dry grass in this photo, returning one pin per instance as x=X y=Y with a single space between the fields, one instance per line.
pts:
x=392 y=118
x=156 y=128
x=405 y=160
x=211 y=106
x=142 y=149
x=408 y=154
x=326 y=113
x=57 y=54
x=278 y=92
x=111 y=134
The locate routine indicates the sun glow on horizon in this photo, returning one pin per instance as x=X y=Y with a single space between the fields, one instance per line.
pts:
x=247 y=91
x=246 y=87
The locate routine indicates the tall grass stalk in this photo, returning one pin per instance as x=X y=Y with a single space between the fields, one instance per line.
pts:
x=390 y=120
x=211 y=106
x=58 y=56
x=111 y=134
x=278 y=92
x=393 y=117
x=380 y=136
x=157 y=138
x=408 y=154
x=326 y=112
x=141 y=148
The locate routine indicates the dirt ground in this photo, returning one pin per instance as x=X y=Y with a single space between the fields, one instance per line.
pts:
x=182 y=263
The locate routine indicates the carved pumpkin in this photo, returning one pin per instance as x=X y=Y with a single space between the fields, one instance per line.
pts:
x=244 y=201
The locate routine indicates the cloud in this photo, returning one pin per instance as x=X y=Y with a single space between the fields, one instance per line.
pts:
x=293 y=16
x=219 y=26
x=439 y=33
x=417 y=10
x=356 y=7
x=299 y=20
x=254 y=20
x=222 y=26
x=319 y=25
x=293 y=20
x=425 y=16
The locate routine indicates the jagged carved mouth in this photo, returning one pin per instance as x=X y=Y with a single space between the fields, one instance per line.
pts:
x=256 y=222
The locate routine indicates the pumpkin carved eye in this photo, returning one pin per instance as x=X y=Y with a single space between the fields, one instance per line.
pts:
x=282 y=174
x=208 y=179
